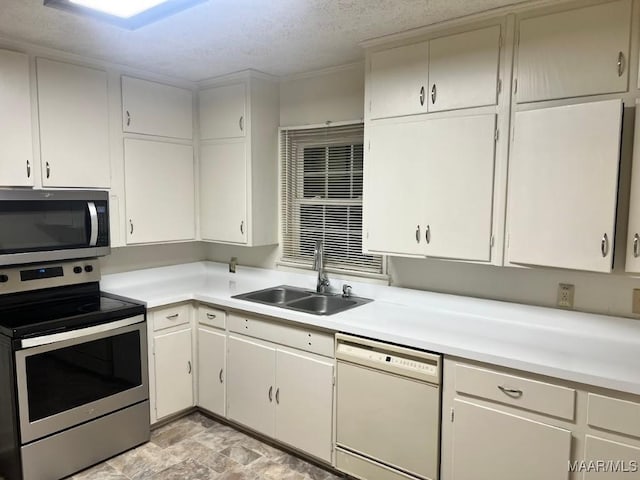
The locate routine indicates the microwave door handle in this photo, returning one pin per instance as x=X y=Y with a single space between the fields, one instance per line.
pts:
x=93 y=216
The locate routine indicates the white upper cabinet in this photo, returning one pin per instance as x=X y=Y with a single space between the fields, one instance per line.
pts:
x=239 y=161
x=397 y=81
x=223 y=192
x=74 y=125
x=393 y=200
x=633 y=231
x=579 y=52
x=457 y=187
x=428 y=187
x=152 y=108
x=463 y=70
x=159 y=188
x=223 y=111
x=16 y=152
x=563 y=186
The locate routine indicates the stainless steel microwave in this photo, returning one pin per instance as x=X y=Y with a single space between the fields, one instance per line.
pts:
x=51 y=225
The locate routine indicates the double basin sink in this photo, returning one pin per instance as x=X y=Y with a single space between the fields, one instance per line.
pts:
x=301 y=300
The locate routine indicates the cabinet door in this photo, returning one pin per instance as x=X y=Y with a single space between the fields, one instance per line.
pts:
x=211 y=357
x=393 y=203
x=223 y=112
x=580 y=52
x=304 y=399
x=173 y=368
x=633 y=230
x=155 y=109
x=251 y=384
x=619 y=454
x=16 y=152
x=563 y=186
x=491 y=444
x=457 y=182
x=397 y=81
x=159 y=191
x=463 y=70
x=74 y=126
x=223 y=192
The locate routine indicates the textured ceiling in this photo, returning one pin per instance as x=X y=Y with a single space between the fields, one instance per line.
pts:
x=280 y=37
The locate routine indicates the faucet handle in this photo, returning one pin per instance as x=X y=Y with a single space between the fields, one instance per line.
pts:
x=346 y=290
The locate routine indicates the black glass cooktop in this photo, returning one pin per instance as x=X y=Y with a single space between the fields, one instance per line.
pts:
x=58 y=309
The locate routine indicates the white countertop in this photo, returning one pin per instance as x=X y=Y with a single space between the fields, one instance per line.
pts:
x=593 y=349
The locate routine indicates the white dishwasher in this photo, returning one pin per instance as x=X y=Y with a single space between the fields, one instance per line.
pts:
x=388 y=410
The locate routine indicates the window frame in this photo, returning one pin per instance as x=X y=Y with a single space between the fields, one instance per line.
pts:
x=282 y=197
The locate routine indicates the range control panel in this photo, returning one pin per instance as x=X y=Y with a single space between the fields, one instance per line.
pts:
x=399 y=360
x=33 y=277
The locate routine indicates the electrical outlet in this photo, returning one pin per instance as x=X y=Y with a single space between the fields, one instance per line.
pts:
x=566 y=292
x=635 y=307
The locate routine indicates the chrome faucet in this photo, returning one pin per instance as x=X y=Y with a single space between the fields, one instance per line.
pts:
x=318 y=264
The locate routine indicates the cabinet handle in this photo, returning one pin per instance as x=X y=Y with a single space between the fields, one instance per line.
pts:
x=427 y=234
x=48 y=170
x=621 y=63
x=510 y=392
x=241 y=123
x=128 y=118
x=604 y=245
x=172 y=317
x=189 y=366
x=210 y=316
x=130 y=227
x=636 y=244
x=278 y=395
x=242 y=227
x=418 y=234
x=271 y=393
x=220 y=375
x=28 y=169
x=422 y=95
x=434 y=93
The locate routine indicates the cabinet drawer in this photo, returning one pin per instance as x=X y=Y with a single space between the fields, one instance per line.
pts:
x=171 y=317
x=520 y=392
x=212 y=317
x=612 y=414
x=302 y=338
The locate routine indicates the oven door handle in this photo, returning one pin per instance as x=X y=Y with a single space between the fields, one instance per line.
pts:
x=93 y=217
x=79 y=333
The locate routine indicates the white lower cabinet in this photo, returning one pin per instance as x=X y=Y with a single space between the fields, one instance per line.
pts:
x=501 y=424
x=251 y=378
x=212 y=354
x=283 y=393
x=304 y=401
x=171 y=365
x=492 y=444
x=174 y=369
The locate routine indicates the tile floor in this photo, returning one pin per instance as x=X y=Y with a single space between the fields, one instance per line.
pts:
x=197 y=447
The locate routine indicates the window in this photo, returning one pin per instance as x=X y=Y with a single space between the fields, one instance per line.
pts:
x=321 y=181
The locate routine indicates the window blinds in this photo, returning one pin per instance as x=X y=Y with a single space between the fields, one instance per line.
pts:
x=321 y=188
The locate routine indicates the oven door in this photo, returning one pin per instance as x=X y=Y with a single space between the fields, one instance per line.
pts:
x=72 y=377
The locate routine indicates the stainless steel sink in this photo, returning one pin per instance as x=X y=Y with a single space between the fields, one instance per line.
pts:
x=294 y=298
x=277 y=296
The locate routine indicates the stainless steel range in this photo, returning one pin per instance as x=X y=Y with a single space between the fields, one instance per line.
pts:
x=73 y=371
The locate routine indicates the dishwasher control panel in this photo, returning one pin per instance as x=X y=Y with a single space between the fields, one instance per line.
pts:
x=399 y=360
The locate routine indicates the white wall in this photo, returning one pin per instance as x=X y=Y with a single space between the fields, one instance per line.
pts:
x=333 y=95
x=124 y=259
